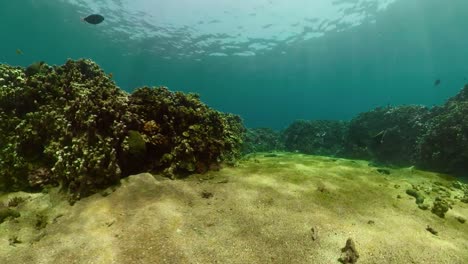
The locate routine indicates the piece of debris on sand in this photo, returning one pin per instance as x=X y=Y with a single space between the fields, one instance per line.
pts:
x=314 y=231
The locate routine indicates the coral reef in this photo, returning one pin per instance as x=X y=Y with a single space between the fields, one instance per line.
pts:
x=320 y=137
x=71 y=125
x=435 y=139
x=262 y=140
x=182 y=134
x=69 y=122
x=444 y=145
x=386 y=135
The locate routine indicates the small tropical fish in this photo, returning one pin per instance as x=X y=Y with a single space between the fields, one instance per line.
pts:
x=94 y=19
x=437 y=82
x=19 y=52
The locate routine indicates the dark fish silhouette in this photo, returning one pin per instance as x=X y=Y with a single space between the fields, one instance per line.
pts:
x=437 y=82
x=94 y=19
x=19 y=52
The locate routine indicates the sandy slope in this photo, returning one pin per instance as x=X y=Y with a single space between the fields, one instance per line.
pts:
x=259 y=212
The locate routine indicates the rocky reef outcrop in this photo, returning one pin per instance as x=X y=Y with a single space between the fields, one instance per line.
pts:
x=70 y=125
x=318 y=137
x=262 y=140
x=444 y=143
x=386 y=135
x=434 y=138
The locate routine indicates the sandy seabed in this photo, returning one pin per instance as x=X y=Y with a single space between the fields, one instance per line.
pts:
x=289 y=208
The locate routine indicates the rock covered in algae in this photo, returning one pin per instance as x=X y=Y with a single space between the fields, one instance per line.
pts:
x=461 y=219
x=183 y=134
x=432 y=230
x=262 y=140
x=465 y=197
x=387 y=135
x=440 y=207
x=7 y=212
x=419 y=197
x=74 y=124
x=318 y=137
x=349 y=254
x=133 y=157
x=444 y=145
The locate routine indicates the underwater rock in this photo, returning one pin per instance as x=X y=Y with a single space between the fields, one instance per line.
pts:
x=12 y=241
x=460 y=219
x=419 y=197
x=188 y=135
x=440 y=207
x=82 y=132
x=206 y=195
x=41 y=221
x=8 y=212
x=440 y=147
x=40 y=177
x=133 y=156
x=441 y=190
x=349 y=253
x=318 y=137
x=383 y=171
x=15 y=201
x=386 y=135
x=71 y=120
x=423 y=206
x=262 y=140
x=432 y=230
x=457 y=185
x=464 y=199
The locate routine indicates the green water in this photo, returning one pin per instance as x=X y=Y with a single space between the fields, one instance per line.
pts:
x=393 y=56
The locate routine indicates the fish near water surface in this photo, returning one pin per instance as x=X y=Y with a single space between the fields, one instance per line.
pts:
x=94 y=19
